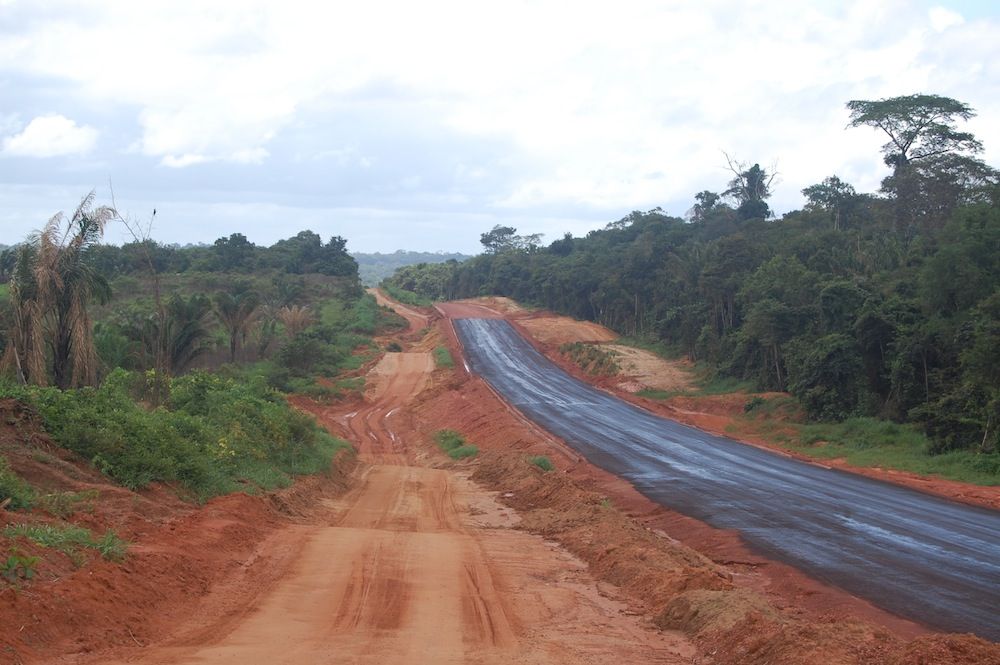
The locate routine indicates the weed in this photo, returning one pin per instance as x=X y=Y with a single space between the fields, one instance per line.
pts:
x=542 y=462
x=753 y=403
x=18 y=566
x=443 y=358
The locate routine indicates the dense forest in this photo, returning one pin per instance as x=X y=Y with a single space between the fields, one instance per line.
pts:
x=884 y=304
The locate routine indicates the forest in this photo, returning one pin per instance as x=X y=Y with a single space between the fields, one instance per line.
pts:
x=883 y=304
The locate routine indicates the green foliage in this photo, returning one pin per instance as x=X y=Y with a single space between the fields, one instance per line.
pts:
x=13 y=487
x=407 y=297
x=215 y=435
x=442 y=358
x=592 y=358
x=542 y=462
x=70 y=539
x=18 y=566
x=374 y=268
x=454 y=445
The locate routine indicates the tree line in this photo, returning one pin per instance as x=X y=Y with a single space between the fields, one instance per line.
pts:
x=881 y=304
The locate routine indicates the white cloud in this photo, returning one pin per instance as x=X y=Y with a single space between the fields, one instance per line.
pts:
x=51 y=136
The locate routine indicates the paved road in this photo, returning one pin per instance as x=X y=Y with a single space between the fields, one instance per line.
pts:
x=924 y=558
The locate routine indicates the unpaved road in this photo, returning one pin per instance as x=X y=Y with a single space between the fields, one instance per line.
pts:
x=924 y=558
x=416 y=566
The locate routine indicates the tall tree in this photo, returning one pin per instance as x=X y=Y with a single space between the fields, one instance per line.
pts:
x=53 y=284
x=750 y=188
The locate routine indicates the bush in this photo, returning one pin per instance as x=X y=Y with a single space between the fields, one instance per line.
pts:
x=454 y=445
x=215 y=435
x=13 y=487
x=542 y=462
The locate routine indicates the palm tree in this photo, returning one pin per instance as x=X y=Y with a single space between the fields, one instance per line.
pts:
x=52 y=284
x=237 y=313
x=295 y=318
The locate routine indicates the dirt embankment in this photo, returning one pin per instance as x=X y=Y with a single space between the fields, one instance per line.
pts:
x=181 y=557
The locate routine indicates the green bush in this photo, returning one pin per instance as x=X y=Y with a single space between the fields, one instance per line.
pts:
x=214 y=436
x=454 y=445
x=13 y=487
x=542 y=462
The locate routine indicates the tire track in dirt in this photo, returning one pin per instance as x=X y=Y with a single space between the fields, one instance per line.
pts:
x=410 y=568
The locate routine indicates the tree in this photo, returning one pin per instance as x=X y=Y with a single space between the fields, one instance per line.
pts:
x=833 y=196
x=918 y=126
x=234 y=253
x=930 y=158
x=502 y=239
x=705 y=202
x=52 y=285
x=750 y=187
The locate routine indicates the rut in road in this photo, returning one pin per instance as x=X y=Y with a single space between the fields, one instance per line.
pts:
x=414 y=566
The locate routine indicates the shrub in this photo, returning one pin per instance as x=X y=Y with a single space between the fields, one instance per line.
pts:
x=13 y=487
x=542 y=462
x=454 y=445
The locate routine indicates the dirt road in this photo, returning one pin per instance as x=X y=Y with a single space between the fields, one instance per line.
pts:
x=418 y=565
x=919 y=556
x=417 y=320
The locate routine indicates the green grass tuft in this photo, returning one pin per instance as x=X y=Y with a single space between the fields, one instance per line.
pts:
x=70 y=540
x=15 y=488
x=542 y=462
x=443 y=358
x=454 y=445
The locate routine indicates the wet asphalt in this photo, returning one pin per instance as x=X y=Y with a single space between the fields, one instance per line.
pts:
x=919 y=556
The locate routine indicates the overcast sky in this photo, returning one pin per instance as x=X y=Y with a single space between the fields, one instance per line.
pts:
x=420 y=125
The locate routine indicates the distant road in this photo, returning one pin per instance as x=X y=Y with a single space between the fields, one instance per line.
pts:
x=919 y=556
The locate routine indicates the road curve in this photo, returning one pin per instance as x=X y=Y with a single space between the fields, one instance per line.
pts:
x=919 y=556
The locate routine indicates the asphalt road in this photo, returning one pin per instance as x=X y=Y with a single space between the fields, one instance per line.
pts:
x=919 y=556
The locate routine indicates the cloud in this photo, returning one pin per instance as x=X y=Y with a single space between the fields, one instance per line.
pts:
x=51 y=136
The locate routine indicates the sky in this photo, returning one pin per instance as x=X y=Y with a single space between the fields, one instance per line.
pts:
x=421 y=125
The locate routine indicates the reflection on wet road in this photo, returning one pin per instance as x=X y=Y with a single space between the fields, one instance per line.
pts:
x=924 y=558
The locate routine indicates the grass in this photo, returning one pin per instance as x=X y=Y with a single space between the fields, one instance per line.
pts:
x=64 y=504
x=70 y=540
x=542 y=462
x=454 y=445
x=443 y=358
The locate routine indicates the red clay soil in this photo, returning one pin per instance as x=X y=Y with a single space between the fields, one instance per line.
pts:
x=178 y=554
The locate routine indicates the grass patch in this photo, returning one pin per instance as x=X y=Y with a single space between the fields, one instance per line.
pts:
x=443 y=358
x=870 y=442
x=454 y=444
x=70 y=540
x=542 y=462
x=20 y=494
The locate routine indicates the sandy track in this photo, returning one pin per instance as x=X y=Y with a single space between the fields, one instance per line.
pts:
x=415 y=565
x=417 y=320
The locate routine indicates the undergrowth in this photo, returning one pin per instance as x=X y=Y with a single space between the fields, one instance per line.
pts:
x=542 y=462
x=406 y=297
x=592 y=358
x=212 y=436
x=454 y=444
x=20 y=494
